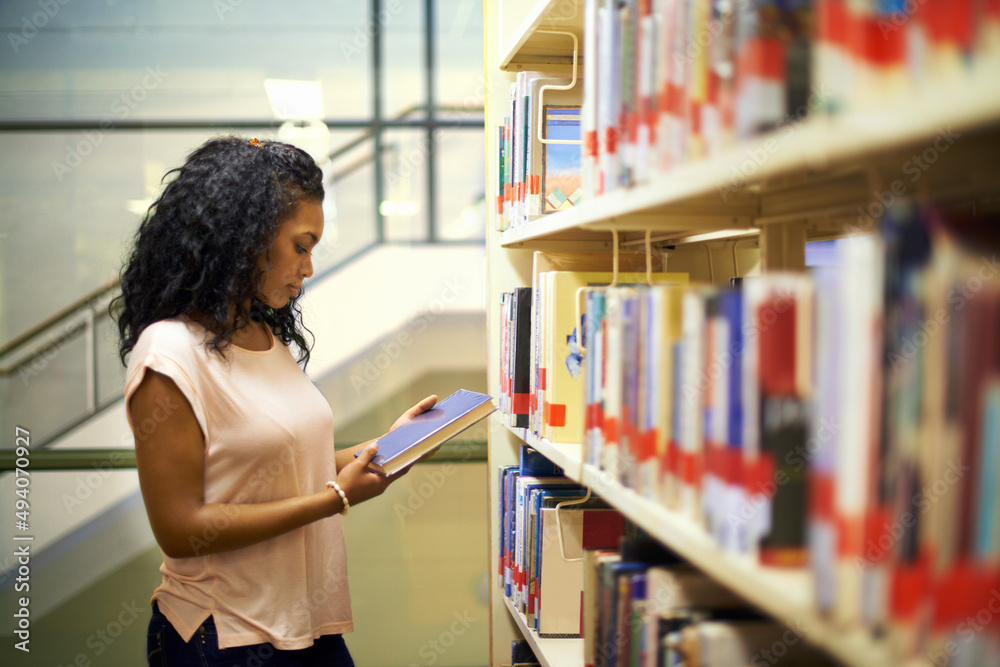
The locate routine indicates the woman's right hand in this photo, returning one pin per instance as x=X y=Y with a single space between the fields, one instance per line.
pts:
x=359 y=483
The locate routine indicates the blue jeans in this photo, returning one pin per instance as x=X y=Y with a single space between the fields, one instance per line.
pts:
x=165 y=648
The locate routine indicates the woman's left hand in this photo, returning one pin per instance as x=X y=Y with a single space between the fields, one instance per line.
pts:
x=419 y=408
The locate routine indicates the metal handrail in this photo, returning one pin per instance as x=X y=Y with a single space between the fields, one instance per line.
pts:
x=123 y=458
x=57 y=317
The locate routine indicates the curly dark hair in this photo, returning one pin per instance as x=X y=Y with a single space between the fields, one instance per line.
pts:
x=197 y=247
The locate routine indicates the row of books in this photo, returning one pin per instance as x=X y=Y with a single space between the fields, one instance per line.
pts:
x=667 y=82
x=632 y=601
x=847 y=420
x=645 y=607
x=538 y=156
x=546 y=521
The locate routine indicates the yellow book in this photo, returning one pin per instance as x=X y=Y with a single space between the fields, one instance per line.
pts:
x=564 y=390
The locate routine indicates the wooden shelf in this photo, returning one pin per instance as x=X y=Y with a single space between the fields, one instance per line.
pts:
x=785 y=594
x=825 y=165
x=526 y=48
x=550 y=652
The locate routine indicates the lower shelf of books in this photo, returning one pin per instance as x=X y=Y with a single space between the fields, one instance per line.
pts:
x=550 y=652
x=786 y=594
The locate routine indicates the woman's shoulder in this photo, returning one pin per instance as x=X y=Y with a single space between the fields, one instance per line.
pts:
x=175 y=336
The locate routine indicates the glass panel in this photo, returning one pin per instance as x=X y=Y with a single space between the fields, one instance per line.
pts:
x=404 y=207
x=186 y=59
x=110 y=372
x=404 y=68
x=460 y=178
x=458 y=54
x=80 y=222
x=349 y=204
x=421 y=541
x=47 y=392
x=72 y=202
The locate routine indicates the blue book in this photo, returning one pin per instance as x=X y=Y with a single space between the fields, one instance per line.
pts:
x=426 y=432
x=534 y=463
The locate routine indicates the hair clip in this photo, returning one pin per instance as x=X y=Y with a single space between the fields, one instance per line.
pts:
x=255 y=142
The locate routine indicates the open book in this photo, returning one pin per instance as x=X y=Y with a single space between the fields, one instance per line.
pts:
x=425 y=432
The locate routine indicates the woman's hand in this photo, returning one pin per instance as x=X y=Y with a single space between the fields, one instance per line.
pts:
x=419 y=408
x=359 y=483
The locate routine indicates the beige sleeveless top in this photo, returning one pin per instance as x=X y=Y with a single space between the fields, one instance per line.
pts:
x=268 y=435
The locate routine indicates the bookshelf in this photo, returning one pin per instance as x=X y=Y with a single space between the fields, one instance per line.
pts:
x=808 y=188
x=784 y=594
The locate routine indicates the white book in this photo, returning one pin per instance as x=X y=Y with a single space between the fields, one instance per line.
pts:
x=588 y=112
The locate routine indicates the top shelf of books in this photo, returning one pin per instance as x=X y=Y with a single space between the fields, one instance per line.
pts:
x=732 y=132
x=890 y=140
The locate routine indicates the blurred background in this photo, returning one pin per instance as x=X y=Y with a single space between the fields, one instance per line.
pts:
x=98 y=101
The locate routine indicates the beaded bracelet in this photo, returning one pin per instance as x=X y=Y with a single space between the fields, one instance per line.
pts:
x=343 y=496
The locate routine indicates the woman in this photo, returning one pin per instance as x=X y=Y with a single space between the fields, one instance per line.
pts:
x=234 y=445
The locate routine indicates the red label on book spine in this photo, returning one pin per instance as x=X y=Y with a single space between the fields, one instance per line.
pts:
x=673 y=458
x=590 y=143
x=536 y=186
x=729 y=466
x=879 y=540
x=647 y=445
x=611 y=140
x=521 y=404
x=762 y=57
x=821 y=489
x=777 y=347
x=541 y=379
x=883 y=47
x=691 y=468
x=850 y=535
x=910 y=589
x=758 y=476
x=834 y=20
x=675 y=100
x=956 y=596
x=694 y=118
x=555 y=414
x=610 y=429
